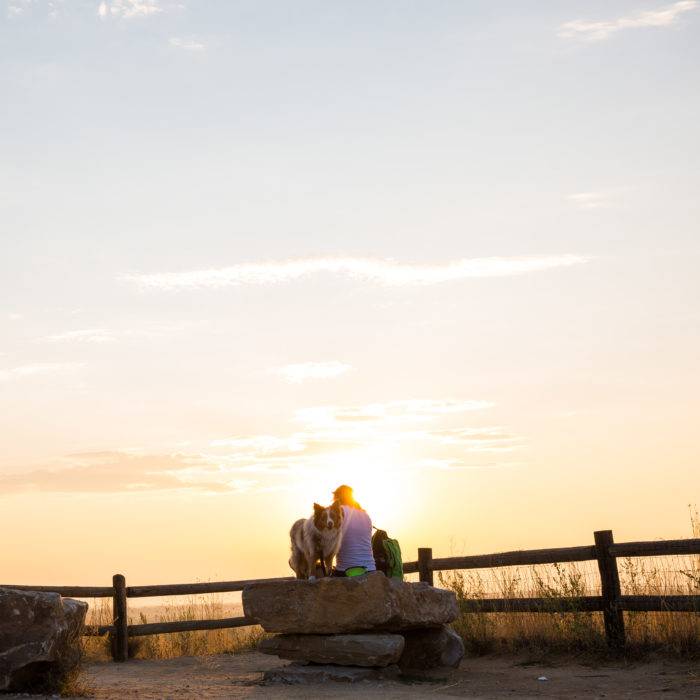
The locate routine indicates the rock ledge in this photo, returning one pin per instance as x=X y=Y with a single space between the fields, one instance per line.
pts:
x=348 y=605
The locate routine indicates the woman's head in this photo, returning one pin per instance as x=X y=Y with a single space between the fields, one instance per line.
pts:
x=344 y=495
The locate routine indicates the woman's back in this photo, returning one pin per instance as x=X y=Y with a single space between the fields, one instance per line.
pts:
x=356 y=545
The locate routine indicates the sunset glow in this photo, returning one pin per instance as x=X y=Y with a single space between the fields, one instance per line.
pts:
x=251 y=251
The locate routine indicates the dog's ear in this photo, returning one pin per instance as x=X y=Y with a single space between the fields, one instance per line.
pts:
x=318 y=509
x=336 y=507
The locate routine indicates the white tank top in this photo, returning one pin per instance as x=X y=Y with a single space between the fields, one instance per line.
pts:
x=356 y=546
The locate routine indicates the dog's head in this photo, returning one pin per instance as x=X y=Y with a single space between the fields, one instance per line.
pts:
x=330 y=518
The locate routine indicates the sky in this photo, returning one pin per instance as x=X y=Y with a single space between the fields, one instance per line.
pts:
x=444 y=252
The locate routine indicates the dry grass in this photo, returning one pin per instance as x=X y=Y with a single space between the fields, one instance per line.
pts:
x=74 y=685
x=674 y=634
x=167 y=646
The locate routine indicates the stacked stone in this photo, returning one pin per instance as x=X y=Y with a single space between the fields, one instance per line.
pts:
x=354 y=628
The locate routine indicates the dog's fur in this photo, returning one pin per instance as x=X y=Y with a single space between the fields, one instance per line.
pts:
x=316 y=541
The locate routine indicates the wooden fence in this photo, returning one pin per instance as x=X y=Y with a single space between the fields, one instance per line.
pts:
x=605 y=551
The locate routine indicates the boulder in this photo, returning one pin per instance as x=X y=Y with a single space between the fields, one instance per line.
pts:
x=297 y=674
x=345 y=605
x=39 y=639
x=376 y=650
x=433 y=648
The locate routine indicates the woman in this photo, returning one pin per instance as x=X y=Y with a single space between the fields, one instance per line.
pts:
x=355 y=555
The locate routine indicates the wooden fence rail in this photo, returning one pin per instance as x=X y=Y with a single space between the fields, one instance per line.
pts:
x=605 y=552
x=195 y=588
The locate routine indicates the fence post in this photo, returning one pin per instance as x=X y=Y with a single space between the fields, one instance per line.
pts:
x=425 y=565
x=120 y=639
x=610 y=590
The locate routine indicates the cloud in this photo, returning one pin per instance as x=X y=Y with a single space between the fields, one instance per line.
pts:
x=492 y=439
x=125 y=9
x=270 y=449
x=301 y=372
x=377 y=270
x=128 y=9
x=88 y=335
x=16 y=8
x=54 y=8
x=110 y=335
x=186 y=44
x=590 y=200
x=354 y=439
x=38 y=369
x=604 y=29
x=262 y=444
x=14 y=317
x=459 y=465
x=404 y=411
x=116 y=471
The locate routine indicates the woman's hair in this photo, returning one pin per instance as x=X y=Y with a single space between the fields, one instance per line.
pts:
x=344 y=495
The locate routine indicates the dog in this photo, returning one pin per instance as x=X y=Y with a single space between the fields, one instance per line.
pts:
x=315 y=541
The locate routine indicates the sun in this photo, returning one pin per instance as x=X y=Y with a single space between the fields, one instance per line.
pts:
x=380 y=482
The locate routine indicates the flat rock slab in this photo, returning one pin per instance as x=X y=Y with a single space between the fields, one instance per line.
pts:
x=347 y=605
x=295 y=674
x=342 y=649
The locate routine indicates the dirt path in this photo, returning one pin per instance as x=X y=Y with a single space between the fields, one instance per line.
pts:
x=240 y=676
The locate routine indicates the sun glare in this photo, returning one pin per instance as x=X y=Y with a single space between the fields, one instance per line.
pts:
x=377 y=478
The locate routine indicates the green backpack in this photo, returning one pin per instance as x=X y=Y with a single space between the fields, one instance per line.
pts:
x=387 y=555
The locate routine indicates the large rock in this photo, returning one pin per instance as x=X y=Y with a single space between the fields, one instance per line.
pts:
x=39 y=639
x=433 y=648
x=347 y=605
x=341 y=649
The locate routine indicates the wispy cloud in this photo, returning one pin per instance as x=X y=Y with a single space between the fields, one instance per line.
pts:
x=351 y=439
x=282 y=450
x=124 y=9
x=322 y=446
x=87 y=335
x=590 y=200
x=403 y=411
x=14 y=317
x=186 y=44
x=16 y=8
x=111 y=335
x=490 y=439
x=128 y=9
x=33 y=370
x=301 y=372
x=459 y=465
x=117 y=471
x=381 y=271
x=600 y=30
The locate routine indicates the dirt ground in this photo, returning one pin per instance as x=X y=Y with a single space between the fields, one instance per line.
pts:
x=240 y=676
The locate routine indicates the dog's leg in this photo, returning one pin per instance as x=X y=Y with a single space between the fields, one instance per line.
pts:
x=310 y=564
x=296 y=564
